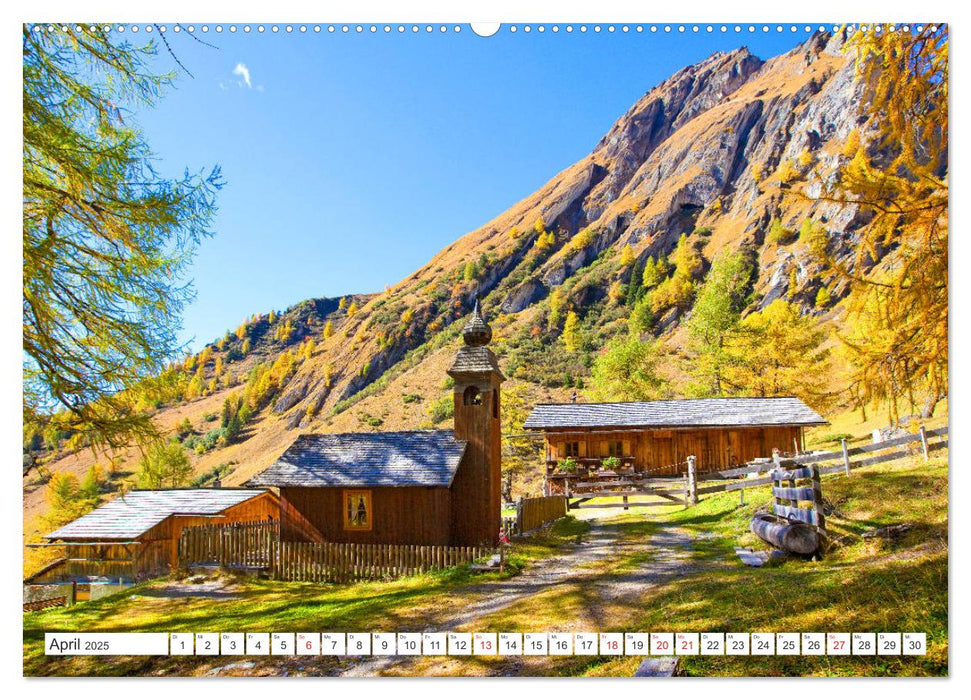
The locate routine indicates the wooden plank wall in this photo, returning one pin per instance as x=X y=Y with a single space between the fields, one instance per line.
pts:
x=665 y=451
x=412 y=515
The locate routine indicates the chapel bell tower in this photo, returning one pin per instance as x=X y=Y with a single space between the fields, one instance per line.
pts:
x=476 y=490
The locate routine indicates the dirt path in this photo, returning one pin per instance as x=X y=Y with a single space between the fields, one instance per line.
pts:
x=667 y=554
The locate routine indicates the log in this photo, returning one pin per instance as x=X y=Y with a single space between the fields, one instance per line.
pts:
x=796 y=537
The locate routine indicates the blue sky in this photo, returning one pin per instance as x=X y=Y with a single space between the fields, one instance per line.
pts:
x=350 y=159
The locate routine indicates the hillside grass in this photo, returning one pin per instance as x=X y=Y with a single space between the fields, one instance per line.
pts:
x=861 y=585
x=246 y=604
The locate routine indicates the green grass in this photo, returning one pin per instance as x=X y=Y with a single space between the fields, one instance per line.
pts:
x=860 y=585
x=263 y=606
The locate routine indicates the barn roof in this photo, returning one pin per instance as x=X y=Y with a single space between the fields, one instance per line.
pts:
x=678 y=413
x=410 y=458
x=135 y=512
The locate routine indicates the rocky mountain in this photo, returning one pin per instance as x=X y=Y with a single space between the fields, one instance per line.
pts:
x=710 y=153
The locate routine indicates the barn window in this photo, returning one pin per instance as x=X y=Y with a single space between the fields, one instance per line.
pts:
x=357 y=510
x=571 y=449
x=472 y=397
x=615 y=448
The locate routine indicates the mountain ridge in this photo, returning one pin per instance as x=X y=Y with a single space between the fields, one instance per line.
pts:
x=707 y=154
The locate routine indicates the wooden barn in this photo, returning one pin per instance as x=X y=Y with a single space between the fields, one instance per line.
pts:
x=657 y=437
x=136 y=535
x=424 y=487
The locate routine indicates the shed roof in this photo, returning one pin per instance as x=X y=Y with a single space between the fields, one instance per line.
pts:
x=410 y=458
x=678 y=413
x=132 y=514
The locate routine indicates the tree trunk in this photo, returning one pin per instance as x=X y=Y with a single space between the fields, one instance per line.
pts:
x=792 y=536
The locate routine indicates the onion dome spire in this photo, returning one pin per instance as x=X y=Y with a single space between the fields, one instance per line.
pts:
x=477 y=332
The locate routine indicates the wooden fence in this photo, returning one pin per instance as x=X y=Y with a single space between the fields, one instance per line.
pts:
x=340 y=563
x=233 y=545
x=532 y=513
x=257 y=546
x=665 y=491
x=760 y=473
x=35 y=605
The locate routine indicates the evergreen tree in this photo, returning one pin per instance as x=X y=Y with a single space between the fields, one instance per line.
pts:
x=571 y=332
x=641 y=317
x=635 y=286
x=106 y=239
x=778 y=352
x=628 y=370
x=716 y=313
x=164 y=466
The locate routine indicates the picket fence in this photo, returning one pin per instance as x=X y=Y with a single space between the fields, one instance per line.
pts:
x=257 y=547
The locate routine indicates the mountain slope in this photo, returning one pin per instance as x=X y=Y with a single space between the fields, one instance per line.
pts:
x=708 y=153
x=702 y=150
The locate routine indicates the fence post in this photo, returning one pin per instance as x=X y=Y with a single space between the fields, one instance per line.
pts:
x=518 y=525
x=692 y=480
x=923 y=444
x=846 y=456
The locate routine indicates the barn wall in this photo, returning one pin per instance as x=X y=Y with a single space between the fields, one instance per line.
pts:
x=665 y=451
x=400 y=515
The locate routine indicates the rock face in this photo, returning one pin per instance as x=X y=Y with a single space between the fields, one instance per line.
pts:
x=710 y=152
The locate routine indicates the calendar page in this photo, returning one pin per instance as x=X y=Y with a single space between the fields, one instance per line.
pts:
x=517 y=349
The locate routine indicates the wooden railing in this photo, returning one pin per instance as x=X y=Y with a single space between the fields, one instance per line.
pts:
x=760 y=473
x=257 y=546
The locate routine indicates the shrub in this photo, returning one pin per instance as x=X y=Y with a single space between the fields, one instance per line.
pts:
x=441 y=409
x=164 y=466
x=778 y=234
x=568 y=465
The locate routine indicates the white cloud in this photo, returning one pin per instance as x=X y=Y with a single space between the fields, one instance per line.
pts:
x=243 y=71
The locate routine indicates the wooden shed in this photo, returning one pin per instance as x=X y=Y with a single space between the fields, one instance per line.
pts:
x=136 y=535
x=658 y=436
x=421 y=487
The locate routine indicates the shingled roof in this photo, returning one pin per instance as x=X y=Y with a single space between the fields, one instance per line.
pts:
x=411 y=458
x=678 y=413
x=130 y=515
